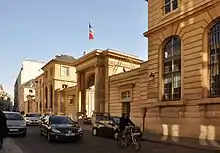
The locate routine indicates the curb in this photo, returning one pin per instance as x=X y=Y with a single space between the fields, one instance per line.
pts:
x=174 y=144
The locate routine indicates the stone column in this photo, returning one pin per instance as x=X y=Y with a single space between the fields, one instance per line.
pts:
x=78 y=96
x=97 y=89
x=83 y=92
x=59 y=97
x=102 y=89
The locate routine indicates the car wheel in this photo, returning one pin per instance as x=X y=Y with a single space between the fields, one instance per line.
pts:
x=24 y=134
x=49 y=137
x=41 y=133
x=116 y=133
x=95 y=132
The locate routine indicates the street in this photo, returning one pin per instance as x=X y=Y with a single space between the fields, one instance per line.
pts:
x=34 y=143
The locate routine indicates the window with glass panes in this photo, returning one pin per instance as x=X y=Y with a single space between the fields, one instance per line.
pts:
x=172 y=69
x=64 y=71
x=126 y=96
x=214 y=60
x=170 y=5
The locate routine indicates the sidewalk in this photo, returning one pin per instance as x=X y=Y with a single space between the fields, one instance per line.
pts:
x=10 y=147
x=182 y=142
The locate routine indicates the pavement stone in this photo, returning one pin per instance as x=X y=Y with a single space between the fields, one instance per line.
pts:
x=176 y=141
x=9 y=146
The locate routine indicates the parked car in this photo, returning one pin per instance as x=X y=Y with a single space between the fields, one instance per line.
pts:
x=32 y=119
x=108 y=126
x=15 y=123
x=60 y=128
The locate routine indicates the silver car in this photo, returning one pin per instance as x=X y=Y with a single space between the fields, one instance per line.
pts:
x=15 y=123
x=32 y=119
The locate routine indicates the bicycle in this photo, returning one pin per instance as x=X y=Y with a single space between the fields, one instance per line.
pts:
x=132 y=138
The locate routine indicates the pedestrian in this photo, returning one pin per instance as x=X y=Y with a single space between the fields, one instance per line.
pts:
x=3 y=128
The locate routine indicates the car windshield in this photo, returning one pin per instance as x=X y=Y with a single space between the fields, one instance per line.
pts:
x=13 y=116
x=32 y=115
x=116 y=120
x=61 y=120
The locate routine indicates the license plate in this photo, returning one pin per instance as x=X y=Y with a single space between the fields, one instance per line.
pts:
x=13 y=130
x=137 y=133
x=70 y=134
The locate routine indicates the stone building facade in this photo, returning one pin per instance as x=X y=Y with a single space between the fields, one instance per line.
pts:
x=59 y=73
x=176 y=92
x=93 y=70
x=39 y=90
x=181 y=90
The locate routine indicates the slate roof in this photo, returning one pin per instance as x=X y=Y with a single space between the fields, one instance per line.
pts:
x=62 y=58
x=29 y=83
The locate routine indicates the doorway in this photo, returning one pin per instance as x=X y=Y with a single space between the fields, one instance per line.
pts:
x=126 y=108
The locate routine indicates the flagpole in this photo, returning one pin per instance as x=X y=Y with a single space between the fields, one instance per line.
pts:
x=90 y=36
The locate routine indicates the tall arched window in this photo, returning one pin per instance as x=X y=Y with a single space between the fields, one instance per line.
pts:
x=214 y=60
x=172 y=69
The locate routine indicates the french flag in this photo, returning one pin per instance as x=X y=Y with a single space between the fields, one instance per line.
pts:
x=91 y=32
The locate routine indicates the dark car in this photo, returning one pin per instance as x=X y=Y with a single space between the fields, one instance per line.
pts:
x=108 y=126
x=60 y=128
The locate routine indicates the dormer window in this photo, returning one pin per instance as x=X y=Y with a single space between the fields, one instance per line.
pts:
x=170 y=5
x=64 y=86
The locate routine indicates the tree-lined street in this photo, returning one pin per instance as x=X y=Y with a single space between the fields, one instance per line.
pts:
x=34 y=143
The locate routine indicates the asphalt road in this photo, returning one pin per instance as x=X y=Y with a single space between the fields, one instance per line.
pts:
x=34 y=143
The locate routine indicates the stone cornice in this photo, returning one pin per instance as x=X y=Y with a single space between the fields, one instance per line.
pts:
x=107 y=53
x=181 y=17
x=86 y=57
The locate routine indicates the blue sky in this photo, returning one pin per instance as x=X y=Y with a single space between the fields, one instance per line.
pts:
x=41 y=29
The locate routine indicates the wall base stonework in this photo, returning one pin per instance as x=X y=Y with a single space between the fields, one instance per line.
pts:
x=197 y=124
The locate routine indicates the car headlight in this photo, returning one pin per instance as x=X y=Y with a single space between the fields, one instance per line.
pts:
x=79 y=130
x=55 y=131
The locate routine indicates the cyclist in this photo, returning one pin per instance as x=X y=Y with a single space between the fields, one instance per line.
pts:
x=124 y=122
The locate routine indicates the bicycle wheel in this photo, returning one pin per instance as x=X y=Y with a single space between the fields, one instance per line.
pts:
x=136 y=144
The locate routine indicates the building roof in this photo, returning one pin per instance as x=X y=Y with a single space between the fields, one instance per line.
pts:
x=29 y=83
x=62 y=58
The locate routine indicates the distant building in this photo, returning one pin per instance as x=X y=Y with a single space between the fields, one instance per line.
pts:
x=30 y=69
x=1 y=90
x=28 y=97
x=5 y=100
